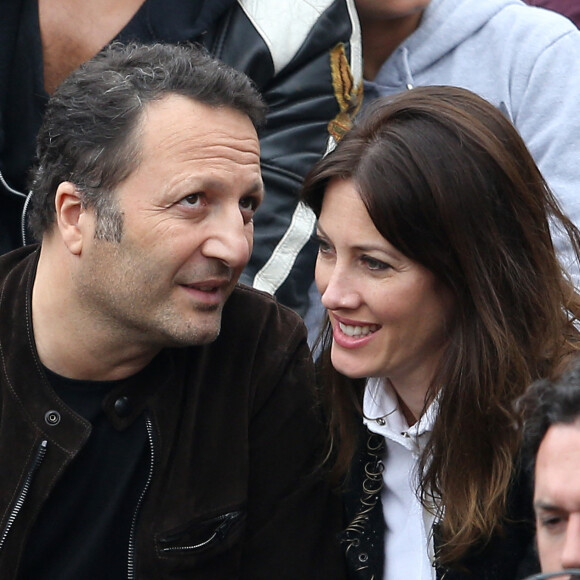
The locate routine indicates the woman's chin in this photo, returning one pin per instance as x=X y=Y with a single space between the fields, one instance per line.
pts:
x=350 y=369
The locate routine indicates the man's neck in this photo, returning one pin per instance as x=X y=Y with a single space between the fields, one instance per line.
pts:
x=73 y=344
x=380 y=38
x=73 y=31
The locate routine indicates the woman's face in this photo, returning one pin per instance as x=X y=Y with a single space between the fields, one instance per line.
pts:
x=388 y=313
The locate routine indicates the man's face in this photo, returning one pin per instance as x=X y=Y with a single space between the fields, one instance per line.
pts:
x=389 y=9
x=557 y=498
x=187 y=227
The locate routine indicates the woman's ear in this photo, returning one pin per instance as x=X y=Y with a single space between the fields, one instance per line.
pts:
x=71 y=217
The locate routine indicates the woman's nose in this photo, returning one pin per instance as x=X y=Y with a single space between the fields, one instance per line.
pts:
x=337 y=286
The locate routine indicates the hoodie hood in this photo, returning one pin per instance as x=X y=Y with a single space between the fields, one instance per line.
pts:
x=523 y=60
x=445 y=25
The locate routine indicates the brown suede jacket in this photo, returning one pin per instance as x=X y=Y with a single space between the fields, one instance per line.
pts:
x=235 y=440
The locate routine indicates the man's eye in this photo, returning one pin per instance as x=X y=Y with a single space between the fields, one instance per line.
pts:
x=249 y=203
x=192 y=199
x=551 y=523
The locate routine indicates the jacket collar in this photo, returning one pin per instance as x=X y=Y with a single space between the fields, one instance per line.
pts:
x=22 y=371
x=20 y=368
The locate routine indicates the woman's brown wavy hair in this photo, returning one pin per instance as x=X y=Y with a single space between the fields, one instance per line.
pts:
x=448 y=181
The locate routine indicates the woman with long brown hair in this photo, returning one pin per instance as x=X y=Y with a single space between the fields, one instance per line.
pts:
x=445 y=300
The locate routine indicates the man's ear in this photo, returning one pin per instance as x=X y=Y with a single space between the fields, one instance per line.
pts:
x=71 y=217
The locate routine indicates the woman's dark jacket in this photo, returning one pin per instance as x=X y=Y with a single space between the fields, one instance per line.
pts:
x=510 y=556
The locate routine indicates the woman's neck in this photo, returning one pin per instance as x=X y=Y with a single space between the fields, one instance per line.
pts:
x=412 y=398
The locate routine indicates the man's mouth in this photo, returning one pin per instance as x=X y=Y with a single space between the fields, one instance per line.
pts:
x=210 y=292
x=205 y=287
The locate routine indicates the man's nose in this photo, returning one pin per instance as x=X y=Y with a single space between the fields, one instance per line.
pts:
x=571 y=551
x=229 y=240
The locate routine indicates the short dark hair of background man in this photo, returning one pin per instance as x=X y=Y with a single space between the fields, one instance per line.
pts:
x=551 y=453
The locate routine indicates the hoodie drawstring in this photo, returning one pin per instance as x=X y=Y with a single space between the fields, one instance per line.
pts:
x=24 y=209
x=408 y=76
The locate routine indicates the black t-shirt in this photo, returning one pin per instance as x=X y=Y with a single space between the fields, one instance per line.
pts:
x=83 y=529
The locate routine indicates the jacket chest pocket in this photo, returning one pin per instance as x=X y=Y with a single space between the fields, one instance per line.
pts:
x=208 y=536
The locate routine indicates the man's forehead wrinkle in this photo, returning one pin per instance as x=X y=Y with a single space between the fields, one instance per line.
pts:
x=212 y=146
x=209 y=182
x=225 y=152
x=212 y=138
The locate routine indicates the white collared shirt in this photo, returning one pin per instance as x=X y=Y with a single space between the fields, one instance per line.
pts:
x=408 y=538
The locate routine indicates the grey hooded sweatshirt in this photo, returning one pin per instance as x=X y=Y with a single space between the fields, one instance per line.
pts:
x=524 y=60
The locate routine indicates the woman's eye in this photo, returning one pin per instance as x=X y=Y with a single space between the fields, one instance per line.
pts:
x=323 y=246
x=374 y=264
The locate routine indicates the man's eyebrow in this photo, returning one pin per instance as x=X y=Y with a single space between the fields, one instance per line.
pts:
x=546 y=506
x=258 y=187
x=198 y=184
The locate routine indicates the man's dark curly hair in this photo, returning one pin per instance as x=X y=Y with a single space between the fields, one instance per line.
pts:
x=90 y=132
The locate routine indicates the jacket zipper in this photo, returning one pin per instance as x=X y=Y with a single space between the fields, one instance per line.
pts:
x=225 y=522
x=132 y=533
x=39 y=456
